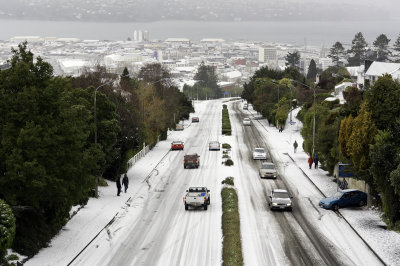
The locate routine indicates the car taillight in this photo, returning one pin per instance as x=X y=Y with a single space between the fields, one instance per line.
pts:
x=205 y=199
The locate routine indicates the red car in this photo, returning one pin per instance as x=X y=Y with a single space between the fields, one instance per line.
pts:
x=195 y=119
x=177 y=145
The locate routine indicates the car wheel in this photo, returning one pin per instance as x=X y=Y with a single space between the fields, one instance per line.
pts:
x=361 y=203
x=205 y=207
x=208 y=201
x=184 y=167
x=335 y=207
x=186 y=207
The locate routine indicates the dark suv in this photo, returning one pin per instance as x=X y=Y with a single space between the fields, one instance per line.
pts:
x=191 y=160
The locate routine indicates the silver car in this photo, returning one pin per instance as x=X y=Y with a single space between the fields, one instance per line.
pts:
x=214 y=146
x=259 y=154
x=280 y=199
x=268 y=170
x=247 y=122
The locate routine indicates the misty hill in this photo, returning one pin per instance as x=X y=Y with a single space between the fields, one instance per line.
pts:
x=222 y=10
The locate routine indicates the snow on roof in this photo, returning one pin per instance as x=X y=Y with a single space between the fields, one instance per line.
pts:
x=67 y=63
x=354 y=70
x=381 y=68
x=233 y=74
x=330 y=99
x=177 y=40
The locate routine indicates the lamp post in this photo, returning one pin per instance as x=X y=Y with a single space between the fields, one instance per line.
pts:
x=313 y=135
x=95 y=130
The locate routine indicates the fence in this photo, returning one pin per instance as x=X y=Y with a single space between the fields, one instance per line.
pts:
x=141 y=153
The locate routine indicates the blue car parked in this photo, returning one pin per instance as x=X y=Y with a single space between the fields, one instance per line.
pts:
x=344 y=198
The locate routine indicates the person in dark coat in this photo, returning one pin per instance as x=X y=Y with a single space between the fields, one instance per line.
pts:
x=125 y=182
x=310 y=161
x=118 y=186
x=316 y=161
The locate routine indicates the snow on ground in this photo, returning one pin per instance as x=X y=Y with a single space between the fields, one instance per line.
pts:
x=91 y=219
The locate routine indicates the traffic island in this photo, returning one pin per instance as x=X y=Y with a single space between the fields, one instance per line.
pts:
x=232 y=243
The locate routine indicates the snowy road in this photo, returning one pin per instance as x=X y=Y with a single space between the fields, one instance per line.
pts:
x=154 y=228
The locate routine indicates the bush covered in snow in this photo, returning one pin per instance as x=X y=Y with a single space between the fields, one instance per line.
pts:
x=7 y=228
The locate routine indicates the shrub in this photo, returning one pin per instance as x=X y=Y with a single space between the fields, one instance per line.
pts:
x=231 y=245
x=224 y=106
x=228 y=180
x=226 y=146
x=228 y=162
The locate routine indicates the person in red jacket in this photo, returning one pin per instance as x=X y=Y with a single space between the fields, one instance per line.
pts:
x=310 y=161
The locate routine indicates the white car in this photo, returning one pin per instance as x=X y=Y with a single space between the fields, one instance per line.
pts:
x=259 y=154
x=280 y=199
x=246 y=122
x=268 y=170
x=197 y=197
x=214 y=146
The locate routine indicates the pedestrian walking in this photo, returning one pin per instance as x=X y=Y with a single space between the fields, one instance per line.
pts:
x=295 y=145
x=316 y=161
x=125 y=182
x=310 y=161
x=118 y=186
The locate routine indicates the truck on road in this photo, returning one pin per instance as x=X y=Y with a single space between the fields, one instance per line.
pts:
x=197 y=197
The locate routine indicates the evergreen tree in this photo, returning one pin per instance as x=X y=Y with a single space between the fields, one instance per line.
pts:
x=396 y=47
x=7 y=229
x=383 y=169
x=358 y=50
x=293 y=59
x=207 y=78
x=383 y=102
x=337 y=53
x=362 y=135
x=312 y=70
x=381 y=45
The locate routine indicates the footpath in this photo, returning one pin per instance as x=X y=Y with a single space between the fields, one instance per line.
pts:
x=366 y=222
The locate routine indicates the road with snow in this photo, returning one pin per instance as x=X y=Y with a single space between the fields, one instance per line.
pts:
x=153 y=228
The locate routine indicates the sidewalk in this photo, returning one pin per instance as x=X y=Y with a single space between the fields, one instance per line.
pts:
x=366 y=222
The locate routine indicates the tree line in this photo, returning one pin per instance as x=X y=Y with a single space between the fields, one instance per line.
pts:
x=360 y=51
x=364 y=131
x=49 y=160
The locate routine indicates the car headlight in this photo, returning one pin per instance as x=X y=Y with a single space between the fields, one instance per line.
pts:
x=274 y=204
x=289 y=204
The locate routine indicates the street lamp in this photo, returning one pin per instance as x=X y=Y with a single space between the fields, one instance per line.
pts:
x=95 y=129
x=313 y=135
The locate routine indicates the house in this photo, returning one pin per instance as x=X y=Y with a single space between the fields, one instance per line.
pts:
x=378 y=69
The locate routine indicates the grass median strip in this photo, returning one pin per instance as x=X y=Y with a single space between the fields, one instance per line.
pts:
x=232 y=244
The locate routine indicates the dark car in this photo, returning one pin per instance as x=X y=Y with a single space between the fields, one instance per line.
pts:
x=191 y=160
x=344 y=198
x=195 y=119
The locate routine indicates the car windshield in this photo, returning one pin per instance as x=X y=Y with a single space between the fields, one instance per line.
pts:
x=197 y=189
x=260 y=150
x=338 y=195
x=246 y=119
x=176 y=142
x=268 y=166
x=191 y=156
x=282 y=195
